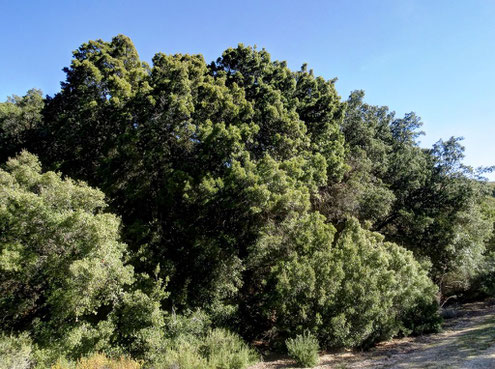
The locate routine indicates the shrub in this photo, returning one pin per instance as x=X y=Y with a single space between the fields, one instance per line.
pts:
x=350 y=292
x=219 y=349
x=183 y=355
x=226 y=350
x=15 y=352
x=303 y=349
x=133 y=327
x=138 y=325
x=98 y=361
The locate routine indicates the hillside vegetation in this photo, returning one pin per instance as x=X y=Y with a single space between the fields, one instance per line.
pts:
x=170 y=215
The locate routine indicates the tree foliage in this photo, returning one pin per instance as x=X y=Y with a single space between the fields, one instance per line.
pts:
x=60 y=255
x=351 y=288
x=426 y=200
x=196 y=158
x=252 y=191
x=20 y=122
x=63 y=272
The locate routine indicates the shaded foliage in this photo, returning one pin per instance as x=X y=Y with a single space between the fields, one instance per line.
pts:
x=426 y=200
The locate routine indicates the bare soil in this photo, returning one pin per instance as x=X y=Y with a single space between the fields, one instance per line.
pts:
x=467 y=341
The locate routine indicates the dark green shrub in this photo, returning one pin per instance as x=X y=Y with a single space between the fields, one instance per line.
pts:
x=303 y=349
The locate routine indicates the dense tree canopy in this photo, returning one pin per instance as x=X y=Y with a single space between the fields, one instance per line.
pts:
x=195 y=158
x=261 y=197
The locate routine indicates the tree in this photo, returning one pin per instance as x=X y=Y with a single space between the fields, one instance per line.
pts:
x=362 y=192
x=62 y=266
x=20 y=121
x=89 y=122
x=196 y=158
x=426 y=200
x=248 y=187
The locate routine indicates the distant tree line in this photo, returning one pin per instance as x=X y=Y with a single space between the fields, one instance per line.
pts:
x=185 y=199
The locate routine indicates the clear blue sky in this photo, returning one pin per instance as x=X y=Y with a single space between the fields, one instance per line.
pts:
x=434 y=57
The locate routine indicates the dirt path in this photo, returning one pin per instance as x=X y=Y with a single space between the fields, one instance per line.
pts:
x=467 y=342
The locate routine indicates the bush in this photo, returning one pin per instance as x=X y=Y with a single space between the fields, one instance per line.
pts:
x=98 y=361
x=183 y=355
x=219 y=349
x=15 y=352
x=138 y=324
x=226 y=350
x=350 y=292
x=303 y=349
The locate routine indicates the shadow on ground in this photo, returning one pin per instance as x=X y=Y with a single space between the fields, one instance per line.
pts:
x=467 y=342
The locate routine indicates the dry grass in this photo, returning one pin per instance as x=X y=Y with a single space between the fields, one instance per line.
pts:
x=100 y=361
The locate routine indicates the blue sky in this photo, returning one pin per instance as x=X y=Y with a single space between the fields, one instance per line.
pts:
x=436 y=58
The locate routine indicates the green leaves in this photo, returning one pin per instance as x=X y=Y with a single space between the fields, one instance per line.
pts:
x=303 y=349
x=350 y=292
x=61 y=258
x=20 y=120
x=255 y=189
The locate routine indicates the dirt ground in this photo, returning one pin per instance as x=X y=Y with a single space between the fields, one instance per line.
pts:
x=466 y=342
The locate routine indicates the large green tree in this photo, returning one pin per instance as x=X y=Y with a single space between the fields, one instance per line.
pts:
x=20 y=123
x=63 y=275
x=249 y=185
x=426 y=200
x=196 y=158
